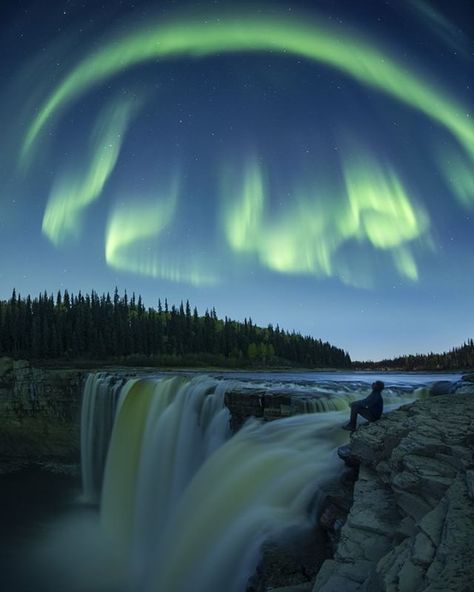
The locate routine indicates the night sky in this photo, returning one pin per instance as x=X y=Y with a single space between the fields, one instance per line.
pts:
x=302 y=163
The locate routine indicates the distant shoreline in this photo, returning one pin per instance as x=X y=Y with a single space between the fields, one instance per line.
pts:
x=115 y=364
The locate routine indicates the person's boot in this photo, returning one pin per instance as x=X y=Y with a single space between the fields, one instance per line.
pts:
x=349 y=427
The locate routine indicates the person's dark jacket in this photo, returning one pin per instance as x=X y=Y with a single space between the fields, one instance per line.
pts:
x=374 y=403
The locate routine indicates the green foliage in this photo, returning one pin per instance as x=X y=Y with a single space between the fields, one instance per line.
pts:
x=120 y=329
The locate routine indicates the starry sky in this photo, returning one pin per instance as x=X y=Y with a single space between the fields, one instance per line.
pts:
x=302 y=163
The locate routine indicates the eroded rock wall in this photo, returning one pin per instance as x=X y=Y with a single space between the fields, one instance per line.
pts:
x=39 y=414
x=262 y=404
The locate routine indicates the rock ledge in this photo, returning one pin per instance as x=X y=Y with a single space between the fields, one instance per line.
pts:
x=411 y=524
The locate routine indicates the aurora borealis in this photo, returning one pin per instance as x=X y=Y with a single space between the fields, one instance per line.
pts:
x=303 y=163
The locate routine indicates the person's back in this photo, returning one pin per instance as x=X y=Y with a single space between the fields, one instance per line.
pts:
x=374 y=402
x=371 y=408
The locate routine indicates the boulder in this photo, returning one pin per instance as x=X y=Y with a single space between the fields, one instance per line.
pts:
x=441 y=387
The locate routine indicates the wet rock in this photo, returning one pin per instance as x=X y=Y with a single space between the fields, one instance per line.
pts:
x=290 y=563
x=463 y=388
x=345 y=454
x=441 y=387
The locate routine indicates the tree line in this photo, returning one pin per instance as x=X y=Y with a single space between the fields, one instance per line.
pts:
x=458 y=358
x=119 y=328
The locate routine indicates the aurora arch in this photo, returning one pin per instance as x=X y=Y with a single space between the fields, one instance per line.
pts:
x=349 y=54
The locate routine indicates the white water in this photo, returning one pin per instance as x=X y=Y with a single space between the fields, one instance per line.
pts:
x=99 y=406
x=184 y=506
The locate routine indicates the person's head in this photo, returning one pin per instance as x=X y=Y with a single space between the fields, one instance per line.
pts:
x=378 y=385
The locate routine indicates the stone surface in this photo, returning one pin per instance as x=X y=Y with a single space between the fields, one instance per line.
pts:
x=263 y=404
x=39 y=415
x=441 y=387
x=290 y=561
x=411 y=524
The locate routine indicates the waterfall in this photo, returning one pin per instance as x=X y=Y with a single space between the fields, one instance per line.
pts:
x=102 y=396
x=335 y=400
x=185 y=506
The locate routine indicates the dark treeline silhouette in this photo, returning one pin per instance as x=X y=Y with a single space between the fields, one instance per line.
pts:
x=119 y=328
x=458 y=358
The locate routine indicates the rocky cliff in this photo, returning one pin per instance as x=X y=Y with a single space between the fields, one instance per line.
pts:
x=39 y=415
x=411 y=524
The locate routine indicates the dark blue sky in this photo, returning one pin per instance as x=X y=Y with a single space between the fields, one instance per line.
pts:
x=302 y=163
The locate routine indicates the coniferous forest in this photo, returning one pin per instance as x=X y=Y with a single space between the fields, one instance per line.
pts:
x=119 y=329
x=457 y=358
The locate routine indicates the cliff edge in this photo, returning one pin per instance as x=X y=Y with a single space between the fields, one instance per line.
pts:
x=411 y=523
x=39 y=416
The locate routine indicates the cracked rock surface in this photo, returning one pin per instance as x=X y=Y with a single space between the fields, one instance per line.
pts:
x=411 y=525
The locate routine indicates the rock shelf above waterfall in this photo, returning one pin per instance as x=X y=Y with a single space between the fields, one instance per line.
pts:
x=412 y=520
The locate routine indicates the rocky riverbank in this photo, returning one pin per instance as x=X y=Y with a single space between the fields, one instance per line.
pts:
x=411 y=523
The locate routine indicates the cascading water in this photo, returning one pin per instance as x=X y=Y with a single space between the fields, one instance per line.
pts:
x=184 y=506
x=163 y=434
x=99 y=406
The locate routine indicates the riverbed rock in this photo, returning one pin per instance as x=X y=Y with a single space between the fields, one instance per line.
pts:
x=411 y=524
x=441 y=387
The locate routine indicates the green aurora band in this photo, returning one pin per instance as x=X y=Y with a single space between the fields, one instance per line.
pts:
x=458 y=172
x=131 y=241
x=372 y=210
x=72 y=194
x=345 y=52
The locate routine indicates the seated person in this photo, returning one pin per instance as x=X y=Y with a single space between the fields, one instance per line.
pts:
x=371 y=407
